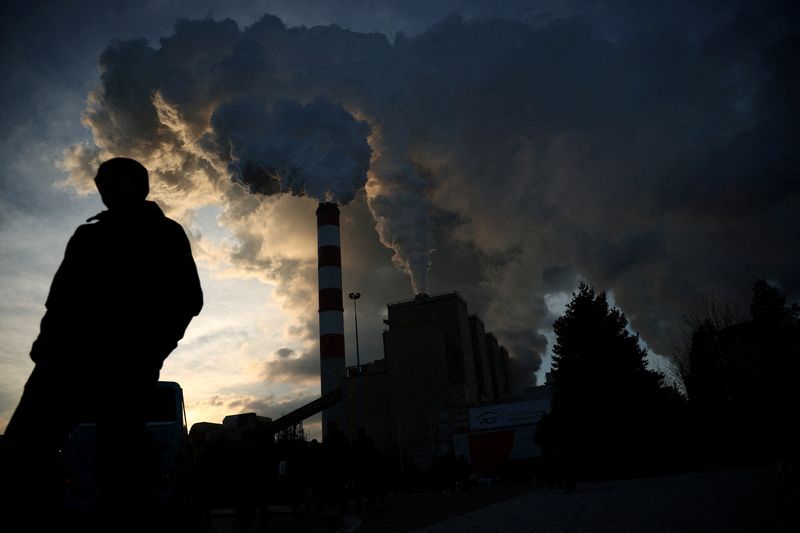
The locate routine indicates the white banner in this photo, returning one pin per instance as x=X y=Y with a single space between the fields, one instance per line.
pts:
x=502 y=415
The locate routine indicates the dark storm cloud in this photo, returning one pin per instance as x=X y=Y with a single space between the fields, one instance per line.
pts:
x=653 y=159
x=284 y=352
x=558 y=278
x=292 y=367
x=317 y=149
x=644 y=163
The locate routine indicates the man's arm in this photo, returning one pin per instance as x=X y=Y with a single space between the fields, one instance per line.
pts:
x=56 y=322
x=184 y=295
x=190 y=294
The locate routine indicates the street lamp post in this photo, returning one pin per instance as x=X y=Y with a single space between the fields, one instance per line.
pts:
x=355 y=296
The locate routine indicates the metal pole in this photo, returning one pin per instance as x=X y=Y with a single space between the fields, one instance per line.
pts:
x=355 y=296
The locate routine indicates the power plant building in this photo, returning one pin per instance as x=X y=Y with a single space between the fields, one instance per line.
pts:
x=443 y=386
x=438 y=362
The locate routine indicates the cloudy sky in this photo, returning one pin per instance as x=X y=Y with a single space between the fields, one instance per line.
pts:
x=506 y=150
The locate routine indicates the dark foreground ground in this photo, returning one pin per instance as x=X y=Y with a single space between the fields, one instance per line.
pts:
x=761 y=500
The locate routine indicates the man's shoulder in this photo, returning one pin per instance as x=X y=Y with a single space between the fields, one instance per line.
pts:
x=174 y=225
x=155 y=214
x=97 y=231
x=173 y=229
x=88 y=230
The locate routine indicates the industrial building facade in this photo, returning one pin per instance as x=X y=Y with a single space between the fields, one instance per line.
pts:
x=443 y=387
x=439 y=365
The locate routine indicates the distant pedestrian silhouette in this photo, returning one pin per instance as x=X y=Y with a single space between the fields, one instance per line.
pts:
x=338 y=466
x=366 y=467
x=120 y=301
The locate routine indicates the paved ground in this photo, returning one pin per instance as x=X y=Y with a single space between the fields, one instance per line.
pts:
x=399 y=514
x=276 y=522
x=762 y=500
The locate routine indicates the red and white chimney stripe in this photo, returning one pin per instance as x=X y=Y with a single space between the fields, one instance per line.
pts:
x=331 y=310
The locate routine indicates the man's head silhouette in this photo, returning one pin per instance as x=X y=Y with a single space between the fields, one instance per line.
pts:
x=123 y=183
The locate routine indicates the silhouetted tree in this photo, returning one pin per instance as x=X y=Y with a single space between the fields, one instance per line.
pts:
x=740 y=378
x=705 y=313
x=609 y=410
x=292 y=433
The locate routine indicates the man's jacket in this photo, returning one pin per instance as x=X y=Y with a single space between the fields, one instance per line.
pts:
x=122 y=297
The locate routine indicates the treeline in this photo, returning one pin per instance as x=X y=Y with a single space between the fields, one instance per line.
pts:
x=614 y=417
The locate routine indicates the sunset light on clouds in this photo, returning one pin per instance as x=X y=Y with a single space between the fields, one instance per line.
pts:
x=506 y=152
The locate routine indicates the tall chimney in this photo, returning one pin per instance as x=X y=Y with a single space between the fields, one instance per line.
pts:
x=331 y=311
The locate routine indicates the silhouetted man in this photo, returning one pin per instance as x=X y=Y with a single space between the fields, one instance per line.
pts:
x=120 y=301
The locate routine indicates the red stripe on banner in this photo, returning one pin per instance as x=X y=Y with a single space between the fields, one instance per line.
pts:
x=328 y=217
x=490 y=451
x=329 y=256
x=330 y=300
x=331 y=346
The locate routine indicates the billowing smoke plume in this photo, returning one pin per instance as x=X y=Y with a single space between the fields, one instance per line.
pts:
x=274 y=109
x=316 y=150
x=651 y=154
x=397 y=199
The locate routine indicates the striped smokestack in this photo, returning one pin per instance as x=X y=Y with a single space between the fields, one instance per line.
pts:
x=331 y=311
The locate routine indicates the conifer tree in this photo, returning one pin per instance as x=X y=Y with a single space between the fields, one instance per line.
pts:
x=606 y=402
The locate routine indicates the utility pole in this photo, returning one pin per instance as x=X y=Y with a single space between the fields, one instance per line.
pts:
x=355 y=296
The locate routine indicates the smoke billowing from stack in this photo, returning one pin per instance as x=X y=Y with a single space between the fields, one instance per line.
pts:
x=316 y=149
x=331 y=310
